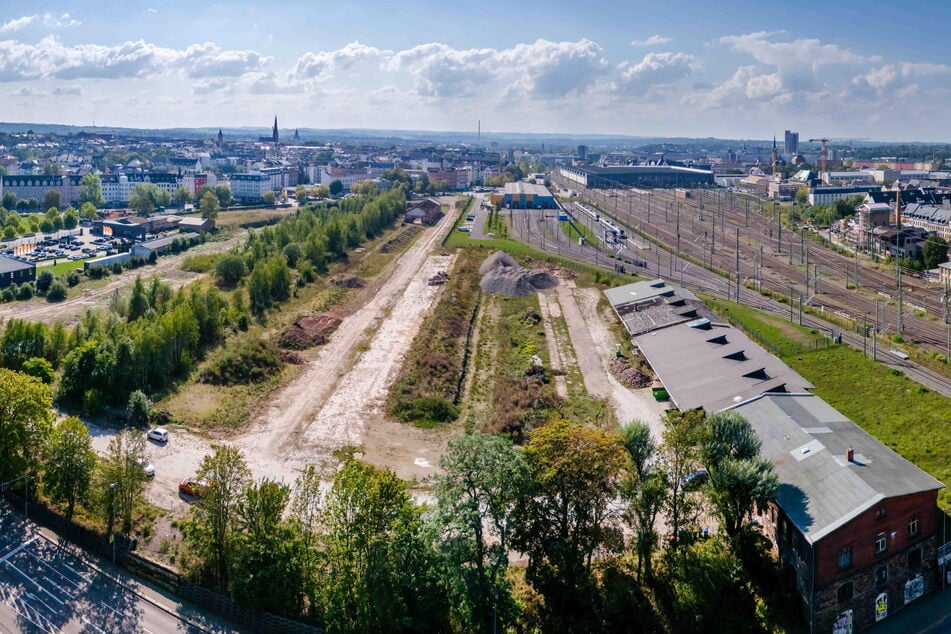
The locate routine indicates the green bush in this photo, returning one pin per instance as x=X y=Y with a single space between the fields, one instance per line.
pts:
x=427 y=411
x=8 y=295
x=43 y=281
x=25 y=291
x=57 y=292
x=40 y=368
x=139 y=408
x=200 y=263
x=74 y=278
x=250 y=362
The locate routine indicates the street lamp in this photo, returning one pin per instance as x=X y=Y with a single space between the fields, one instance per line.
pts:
x=112 y=519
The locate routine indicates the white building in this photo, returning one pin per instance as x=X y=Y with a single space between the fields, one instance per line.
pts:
x=250 y=187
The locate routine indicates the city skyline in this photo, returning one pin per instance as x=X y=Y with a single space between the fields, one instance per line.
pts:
x=639 y=69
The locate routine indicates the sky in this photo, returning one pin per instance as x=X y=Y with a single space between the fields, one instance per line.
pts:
x=695 y=69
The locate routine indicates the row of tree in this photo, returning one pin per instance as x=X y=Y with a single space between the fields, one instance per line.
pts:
x=582 y=506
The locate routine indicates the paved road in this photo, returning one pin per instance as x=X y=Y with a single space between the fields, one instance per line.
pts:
x=928 y=615
x=477 y=226
x=46 y=586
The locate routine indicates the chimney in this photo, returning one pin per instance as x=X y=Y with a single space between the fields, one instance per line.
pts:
x=850 y=454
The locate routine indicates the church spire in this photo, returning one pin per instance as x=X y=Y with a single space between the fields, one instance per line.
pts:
x=221 y=137
x=274 y=134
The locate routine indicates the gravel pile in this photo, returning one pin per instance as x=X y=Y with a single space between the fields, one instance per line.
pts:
x=345 y=280
x=307 y=332
x=504 y=276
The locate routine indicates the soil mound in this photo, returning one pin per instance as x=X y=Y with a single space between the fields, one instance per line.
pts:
x=345 y=280
x=307 y=332
x=629 y=375
x=504 y=276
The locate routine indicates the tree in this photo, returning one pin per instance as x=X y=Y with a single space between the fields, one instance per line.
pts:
x=223 y=192
x=40 y=368
x=70 y=463
x=26 y=418
x=378 y=574
x=209 y=206
x=680 y=458
x=484 y=477
x=568 y=516
x=70 y=219
x=740 y=480
x=216 y=515
x=230 y=268
x=147 y=197
x=269 y=565
x=323 y=191
x=90 y=190
x=57 y=292
x=644 y=490
x=300 y=193
x=336 y=188
x=138 y=301
x=139 y=408
x=121 y=477
x=88 y=211
x=422 y=183
x=182 y=196
x=268 y=197
x=51 y=199
x=802 y=195
x=10 y=201
x=935 y=251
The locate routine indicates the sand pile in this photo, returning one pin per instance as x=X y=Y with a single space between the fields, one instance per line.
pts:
x=503 y=275
x=309 y=331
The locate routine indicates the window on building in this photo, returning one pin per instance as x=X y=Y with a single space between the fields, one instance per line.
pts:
x=844 y=592
x=914 y=557
x=881 y=542
x=881 y=574
x=913 y=526
x=845 y=558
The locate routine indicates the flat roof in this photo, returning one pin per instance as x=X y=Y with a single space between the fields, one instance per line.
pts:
x=11 y=265
x=806 y=439
x=714 y=365
x=640 y=169
x=523 y=188
x=646 y=306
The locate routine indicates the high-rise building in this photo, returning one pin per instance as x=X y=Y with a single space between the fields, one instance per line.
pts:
x=582 y=152
x=792 y=143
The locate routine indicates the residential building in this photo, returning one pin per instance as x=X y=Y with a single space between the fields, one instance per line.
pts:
x=928 y=217
x=944 y=273
x=828 y=195
x=250 y=188
x=832 y=178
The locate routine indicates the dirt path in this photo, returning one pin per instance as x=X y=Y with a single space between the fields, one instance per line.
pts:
x=550 y=309
x=593 y=344
x=166 y=268
x=326 y=406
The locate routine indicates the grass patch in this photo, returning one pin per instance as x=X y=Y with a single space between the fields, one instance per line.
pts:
x=248 y=217
x=202 y=263
x=575 y=230
x=902 y=414
x=430 y=380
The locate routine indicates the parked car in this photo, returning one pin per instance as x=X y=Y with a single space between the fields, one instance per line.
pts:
x=147 y=467
x=464 y=229
x=193 y=487
x=693 y=480
x=158 y=435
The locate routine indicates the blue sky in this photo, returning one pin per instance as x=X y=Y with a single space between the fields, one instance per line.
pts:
x=740 y=70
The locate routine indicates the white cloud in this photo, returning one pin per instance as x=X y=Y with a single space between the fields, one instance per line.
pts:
x=206 y=86
x=655 y=70
x=18 y=23
x=50 y=59
x=653 y=40
x=438 y=70
x=311 y=66
x=746 y=87
x=49 y=20
x=27 y=91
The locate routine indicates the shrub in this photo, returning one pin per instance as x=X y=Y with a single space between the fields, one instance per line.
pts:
x=8 y=295
x=250 y=362
x=43 y=281
x=200 y=263
x=139 y=408
x=57 y=292
x=25 y=291
x=74 y=278
x=427 y=411
x=40 y=368
x=230 y=268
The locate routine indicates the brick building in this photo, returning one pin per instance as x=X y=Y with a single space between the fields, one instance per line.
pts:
x=853 y=522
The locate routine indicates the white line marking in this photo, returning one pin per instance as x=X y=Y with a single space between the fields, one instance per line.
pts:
x=90 y=623
x=17 y=549
x=65 y=578
x=38 y=585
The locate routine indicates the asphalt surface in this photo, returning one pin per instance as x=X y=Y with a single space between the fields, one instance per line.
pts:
x=49 y=586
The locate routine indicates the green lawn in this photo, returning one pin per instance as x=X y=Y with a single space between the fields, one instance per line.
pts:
x=906 y=416
x=575 y=230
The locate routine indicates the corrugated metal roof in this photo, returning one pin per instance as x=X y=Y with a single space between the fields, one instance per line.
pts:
x=806 y=439
x=700 y=367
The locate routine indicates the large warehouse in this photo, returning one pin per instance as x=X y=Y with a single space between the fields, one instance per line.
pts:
x=14 y=271
x=648 y=176
x=522 y=195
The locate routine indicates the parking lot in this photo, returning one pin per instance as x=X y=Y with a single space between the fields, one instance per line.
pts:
x=47 y=587
x=50 y=250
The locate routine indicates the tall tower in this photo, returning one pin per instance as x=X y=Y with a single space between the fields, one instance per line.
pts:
x=774 y=157
x=274 y=134
x=221 y=138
